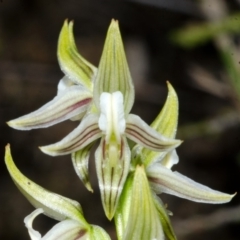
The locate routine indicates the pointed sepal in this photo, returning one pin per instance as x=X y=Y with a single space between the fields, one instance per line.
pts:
x=165 y=124
x=143 y=221
x=80 y=163
x=111 y=174
x=53 y=205
x=75 y=67
x=86 y=133
x=164 y=180
x=113 y=72
x=72 y=102
x=141 y=133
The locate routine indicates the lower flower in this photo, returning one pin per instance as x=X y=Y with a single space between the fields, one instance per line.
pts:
x=72 y=225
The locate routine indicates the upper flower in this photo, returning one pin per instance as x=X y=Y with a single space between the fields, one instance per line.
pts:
x=103 y=99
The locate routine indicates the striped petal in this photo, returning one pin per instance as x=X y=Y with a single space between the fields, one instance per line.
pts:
x=53 y=205
x=86 y=133
x=111 y=175
x=80 y=164
x=113 y=72
x=166 y=124
x=71 y=102
x=164 y=180
x=143 y=220
x=75 y=67
x=141 y=133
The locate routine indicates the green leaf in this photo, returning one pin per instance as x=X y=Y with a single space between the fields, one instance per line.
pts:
x=53 y=205
x=113 y=72
x=76 y=68
x=198 y=34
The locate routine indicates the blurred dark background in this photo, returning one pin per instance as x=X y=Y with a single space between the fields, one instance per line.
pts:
x=209 y=103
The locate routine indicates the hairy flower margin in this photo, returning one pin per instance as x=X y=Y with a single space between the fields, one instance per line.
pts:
x=129 y=179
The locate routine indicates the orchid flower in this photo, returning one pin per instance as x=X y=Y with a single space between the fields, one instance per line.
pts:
x=105 y=116
x=156 y=167
x=72 y=225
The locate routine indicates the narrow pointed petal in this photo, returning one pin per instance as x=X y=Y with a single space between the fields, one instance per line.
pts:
x=34 y=235
x=111 y=177
x=113 y=72
x=123 y=209
x=165 y=124
x=164 y=180
x=167 y=120
x=86 y=133
x=75 y=67
x=71 y=102
x=53 y=205
x=141 y=133
x=164 y=218
x=143 y=221
x=80 y=164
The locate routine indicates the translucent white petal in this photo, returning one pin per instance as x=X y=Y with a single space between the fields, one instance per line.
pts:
x=63 y=84
x=86 y=133
x=141 y=133
x=28 y=220
x=170 y=159
x=71 y=102
x=164 y=180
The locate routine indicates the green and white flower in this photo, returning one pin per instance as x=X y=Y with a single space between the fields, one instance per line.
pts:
x=105 y=99
x=72 y=224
